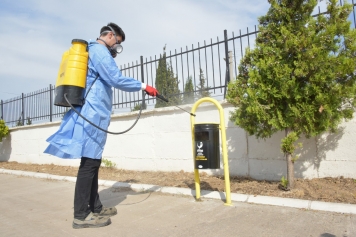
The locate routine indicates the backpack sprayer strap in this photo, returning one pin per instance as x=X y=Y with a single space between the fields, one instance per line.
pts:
x=91 y=83
x=90 y=87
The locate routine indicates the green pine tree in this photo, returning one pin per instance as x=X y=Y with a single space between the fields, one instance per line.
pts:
x=19 y=122
x=28 y=121
x=300 y=77
x=138 y=107
x=203 y=91
x=188 y=96
x=167 y=84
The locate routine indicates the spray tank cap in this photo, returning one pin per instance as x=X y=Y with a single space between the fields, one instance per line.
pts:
x=79 y=41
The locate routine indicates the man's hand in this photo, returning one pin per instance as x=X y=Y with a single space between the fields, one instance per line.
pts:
x=151 y=90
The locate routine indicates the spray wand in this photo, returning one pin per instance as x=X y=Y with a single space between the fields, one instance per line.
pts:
x=138 y=116
x=164 y=99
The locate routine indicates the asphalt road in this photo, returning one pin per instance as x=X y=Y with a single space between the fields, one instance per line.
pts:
x=42 y=207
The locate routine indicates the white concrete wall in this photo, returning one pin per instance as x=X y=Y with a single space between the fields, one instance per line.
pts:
x=161 y=141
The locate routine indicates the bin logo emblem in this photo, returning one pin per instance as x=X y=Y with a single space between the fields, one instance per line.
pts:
x=200 y=145
x=200 y=151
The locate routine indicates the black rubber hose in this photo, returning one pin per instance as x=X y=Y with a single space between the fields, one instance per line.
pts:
x=115 y=133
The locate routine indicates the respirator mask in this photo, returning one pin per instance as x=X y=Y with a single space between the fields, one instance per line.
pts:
x=116 y=48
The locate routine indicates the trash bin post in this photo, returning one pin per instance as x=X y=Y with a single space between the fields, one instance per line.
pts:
x=224 y=149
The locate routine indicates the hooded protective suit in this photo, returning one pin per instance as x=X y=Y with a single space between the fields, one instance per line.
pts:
x=77 y=138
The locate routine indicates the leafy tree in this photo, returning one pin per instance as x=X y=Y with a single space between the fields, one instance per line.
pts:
x=188 y=96
x=4 y=130
x=203 y=91
x=167 y=83
x=300 y=77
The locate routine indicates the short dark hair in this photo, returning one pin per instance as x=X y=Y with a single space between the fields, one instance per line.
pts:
x=116 y=28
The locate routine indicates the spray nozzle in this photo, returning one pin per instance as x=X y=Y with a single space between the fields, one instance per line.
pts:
x=162 y=98
x=166 y=100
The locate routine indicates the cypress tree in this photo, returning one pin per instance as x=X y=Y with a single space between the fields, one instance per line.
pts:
x=166 y=83
x=202 y=89
x=188 y=96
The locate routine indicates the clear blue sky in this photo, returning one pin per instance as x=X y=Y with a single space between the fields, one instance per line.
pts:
x=35 y=33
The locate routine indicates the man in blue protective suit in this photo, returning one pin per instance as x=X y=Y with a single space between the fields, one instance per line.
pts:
x=76 y=138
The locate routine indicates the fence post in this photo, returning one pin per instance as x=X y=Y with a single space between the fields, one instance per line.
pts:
x=143 y=81
x=2 y=110
x=227 y=74
x=231 y=69
x=50 y=103
x=23 y=108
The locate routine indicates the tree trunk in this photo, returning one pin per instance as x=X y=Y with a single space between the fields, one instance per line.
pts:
x=290 y=166
x=290 y=171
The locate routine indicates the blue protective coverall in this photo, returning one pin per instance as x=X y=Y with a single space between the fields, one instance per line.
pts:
x=77 y=138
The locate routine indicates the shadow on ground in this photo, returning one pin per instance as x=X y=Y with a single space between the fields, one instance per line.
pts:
x=117 y=195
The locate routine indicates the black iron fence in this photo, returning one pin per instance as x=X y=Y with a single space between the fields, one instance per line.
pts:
x=210 y=59
x=217 y=60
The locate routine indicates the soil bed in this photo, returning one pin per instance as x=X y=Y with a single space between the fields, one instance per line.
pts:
x=341 y=190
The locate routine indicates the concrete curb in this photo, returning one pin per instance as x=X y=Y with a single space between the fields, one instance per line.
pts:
x=265 y=200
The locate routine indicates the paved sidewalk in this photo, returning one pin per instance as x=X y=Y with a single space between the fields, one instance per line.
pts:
x=44 y=207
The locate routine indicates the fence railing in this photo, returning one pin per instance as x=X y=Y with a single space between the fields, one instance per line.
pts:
x=212 y=58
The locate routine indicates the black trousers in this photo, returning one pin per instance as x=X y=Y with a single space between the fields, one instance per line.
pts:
x=86 y=196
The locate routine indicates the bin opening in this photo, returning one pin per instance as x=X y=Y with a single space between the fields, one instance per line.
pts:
x=202 y=136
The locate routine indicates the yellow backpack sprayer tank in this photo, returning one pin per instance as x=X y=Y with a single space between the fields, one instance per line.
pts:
x=71 y=79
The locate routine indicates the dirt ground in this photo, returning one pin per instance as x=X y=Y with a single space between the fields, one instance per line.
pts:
x=342 y=190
